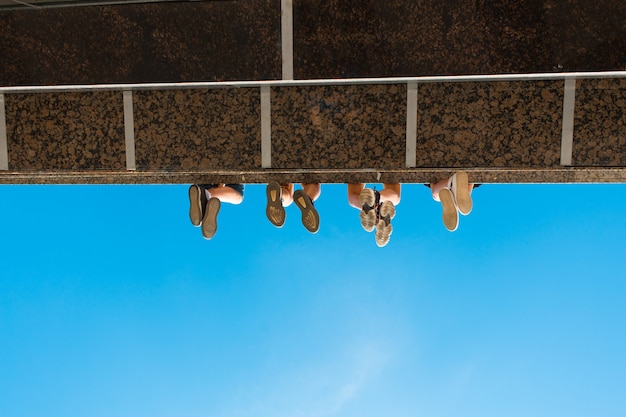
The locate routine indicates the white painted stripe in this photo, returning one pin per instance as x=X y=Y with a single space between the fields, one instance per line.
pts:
x=129 y=130
x=315 y=82
x=266 y=128
x=286 y=36
x=411 y=124
x=567 y=135
x=4 y=149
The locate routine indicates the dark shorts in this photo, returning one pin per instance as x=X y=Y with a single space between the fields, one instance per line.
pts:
x=236 y=187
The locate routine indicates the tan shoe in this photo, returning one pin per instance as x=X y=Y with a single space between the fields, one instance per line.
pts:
x=450 y=214
x=274 y=209
x=197 y=204
x=209 y=221
x=310 y=217
x=459 y=185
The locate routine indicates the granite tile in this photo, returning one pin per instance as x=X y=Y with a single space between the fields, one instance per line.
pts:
x=600 y=123
x=339 y=127
x=373 y=38
x=65 y=131
x=155 y=42
x=241 y=40
x=198 y=129
x=584 y=35
x=499 y=132
x=504 y=124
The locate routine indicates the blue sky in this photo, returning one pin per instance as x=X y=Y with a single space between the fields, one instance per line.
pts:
x=111 y=303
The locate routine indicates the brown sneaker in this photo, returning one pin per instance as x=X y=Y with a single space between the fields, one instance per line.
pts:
x=450 y=214
x=197 y=204
x=209 y=221
x=274 y=209
x=310 y=217
x=384 y=229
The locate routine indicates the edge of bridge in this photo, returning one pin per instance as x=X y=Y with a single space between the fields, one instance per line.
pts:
x=425 y=175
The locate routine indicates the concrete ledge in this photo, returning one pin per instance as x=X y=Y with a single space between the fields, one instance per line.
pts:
x=420 y=176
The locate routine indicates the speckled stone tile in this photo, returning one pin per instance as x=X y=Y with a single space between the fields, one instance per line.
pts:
x=373 y=38
x=582 y=35
x=198 y=129
x=154 y=42
x=241 y=40
x=339 y=127
x=514 y=125
x=600 y=123
x=65 y=131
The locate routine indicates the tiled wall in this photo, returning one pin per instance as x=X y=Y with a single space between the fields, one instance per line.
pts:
x=502 y=125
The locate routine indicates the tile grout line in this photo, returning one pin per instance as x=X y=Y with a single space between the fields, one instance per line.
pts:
x=567 y=134
x=4 y=149
x=266 y=128
x=286 y=36
x=129 y=130
x=411 y=124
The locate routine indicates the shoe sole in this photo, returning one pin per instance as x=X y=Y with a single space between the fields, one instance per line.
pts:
x=367 y=197
x=383 y=233
x=368 y=219
x=384 y=227
x=387 y=211
x=450 y=215
x=310 y=217
x=462 y=194
x=195 y=205
x=209 y=222
x=274 y=209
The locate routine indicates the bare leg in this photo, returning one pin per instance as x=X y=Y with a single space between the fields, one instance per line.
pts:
x=390 y=192
x=354 y=191
x=436 y=188
x=287 y=194
x=312 y=190
x=225 y=194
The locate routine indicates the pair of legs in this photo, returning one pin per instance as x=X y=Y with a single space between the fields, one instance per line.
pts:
x=280 y=196
x=377 y=208
x=205 y=202
x=455 y=196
